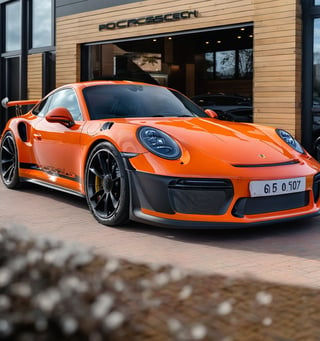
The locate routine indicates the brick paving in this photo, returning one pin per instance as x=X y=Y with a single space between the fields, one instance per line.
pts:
x=238 y=285
x=51 y=291
x=287 y=254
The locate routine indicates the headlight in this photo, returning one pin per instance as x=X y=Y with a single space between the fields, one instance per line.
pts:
x=159 y=143
x=290 y=140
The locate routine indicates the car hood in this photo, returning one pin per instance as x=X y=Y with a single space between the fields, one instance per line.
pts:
x=234 y=143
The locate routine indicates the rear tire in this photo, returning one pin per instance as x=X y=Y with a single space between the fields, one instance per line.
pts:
x=9 y=164
x=107 y=185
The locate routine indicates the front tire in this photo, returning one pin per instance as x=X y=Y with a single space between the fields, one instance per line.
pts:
x=9 y=162
x=106 y=185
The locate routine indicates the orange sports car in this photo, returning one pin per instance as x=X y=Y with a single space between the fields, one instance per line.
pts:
x=147 y=153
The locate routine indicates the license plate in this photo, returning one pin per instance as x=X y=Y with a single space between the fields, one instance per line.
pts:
x=277 y=187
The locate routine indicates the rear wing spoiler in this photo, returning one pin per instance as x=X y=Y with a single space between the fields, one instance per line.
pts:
x=18 y=104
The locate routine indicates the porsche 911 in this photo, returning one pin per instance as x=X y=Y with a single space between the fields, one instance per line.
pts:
x=149 y=154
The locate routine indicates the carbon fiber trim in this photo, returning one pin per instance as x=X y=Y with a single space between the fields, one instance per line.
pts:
x=277 y=203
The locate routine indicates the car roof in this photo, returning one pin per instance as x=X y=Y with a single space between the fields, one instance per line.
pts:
x=81 y=85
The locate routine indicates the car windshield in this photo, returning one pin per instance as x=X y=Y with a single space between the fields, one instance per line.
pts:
x=135 y=100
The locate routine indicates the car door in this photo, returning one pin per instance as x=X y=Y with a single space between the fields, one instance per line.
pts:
x=57 y=147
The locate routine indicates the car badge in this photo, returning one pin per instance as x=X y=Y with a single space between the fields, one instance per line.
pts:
x=262 y=156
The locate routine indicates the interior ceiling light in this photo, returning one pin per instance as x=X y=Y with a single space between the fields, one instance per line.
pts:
x=239 y=37
x=218 y=41
x=242 y=29
x=207 y=42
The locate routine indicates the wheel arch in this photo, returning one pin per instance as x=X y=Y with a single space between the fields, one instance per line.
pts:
x=121 y=213
x=10 y=171
x=15 y=136
x=87 y=154
x=6 y=130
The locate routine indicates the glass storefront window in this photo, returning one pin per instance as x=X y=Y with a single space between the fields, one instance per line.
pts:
x=209 y=64
x=226 y=64
x=218 y=61
x=317 y=2
x=246 y=63
x=13 y=26
x=41 y=23
x=110 y=61
x=316 y=63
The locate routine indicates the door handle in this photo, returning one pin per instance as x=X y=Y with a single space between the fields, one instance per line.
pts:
x=37 y=136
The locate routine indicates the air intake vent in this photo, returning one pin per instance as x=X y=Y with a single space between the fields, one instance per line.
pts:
x=201 y=196
x=260 y=165
x=106 y=126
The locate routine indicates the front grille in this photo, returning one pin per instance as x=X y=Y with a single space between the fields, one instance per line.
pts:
x=260 y=205
x=201 y=196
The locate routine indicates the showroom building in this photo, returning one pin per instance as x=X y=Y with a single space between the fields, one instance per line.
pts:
x=267 y=51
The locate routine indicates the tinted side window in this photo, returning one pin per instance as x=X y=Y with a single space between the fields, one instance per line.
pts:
x=41 y=109
x=66 y=98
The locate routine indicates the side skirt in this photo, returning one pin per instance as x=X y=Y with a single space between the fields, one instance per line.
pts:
x=55 y=187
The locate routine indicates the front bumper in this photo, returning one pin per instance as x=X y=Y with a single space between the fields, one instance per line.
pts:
x=213 y=203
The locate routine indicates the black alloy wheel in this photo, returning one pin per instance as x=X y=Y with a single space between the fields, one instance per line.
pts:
x=106 y=185
x=9 y=162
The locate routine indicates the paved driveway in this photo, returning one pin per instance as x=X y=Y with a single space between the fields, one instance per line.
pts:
x=286 y=253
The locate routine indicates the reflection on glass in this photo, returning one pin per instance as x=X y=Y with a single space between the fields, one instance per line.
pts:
x=316 y=63
x=209 y=64
x=41 y=23
x=13 y=26
x=208 y=67
x=246 y=63
x=226 y=64
x=110 y=61
x=317 y=2
x=150 y=62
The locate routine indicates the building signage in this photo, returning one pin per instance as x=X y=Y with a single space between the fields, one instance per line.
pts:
x=151 y=19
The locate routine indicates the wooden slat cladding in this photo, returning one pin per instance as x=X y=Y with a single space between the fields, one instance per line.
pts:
x=35 y=76
x=277 y=44
x=84 y=27
x=277 y=64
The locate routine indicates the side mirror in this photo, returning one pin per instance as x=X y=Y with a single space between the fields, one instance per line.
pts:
x=60 y=115
x=211 y=113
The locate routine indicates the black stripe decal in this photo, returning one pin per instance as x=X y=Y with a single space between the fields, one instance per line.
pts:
x=54 y=172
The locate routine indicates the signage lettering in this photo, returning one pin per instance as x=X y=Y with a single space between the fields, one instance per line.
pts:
x=152 y=19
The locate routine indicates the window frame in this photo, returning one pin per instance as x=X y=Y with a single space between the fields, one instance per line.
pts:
x=46 y=48
x=310 y=12
x=4 y=27
x=47 y=102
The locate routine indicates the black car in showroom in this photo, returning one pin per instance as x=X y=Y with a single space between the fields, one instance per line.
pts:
x=228 y=107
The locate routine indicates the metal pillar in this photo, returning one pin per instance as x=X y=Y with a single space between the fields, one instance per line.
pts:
x=23 y=81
